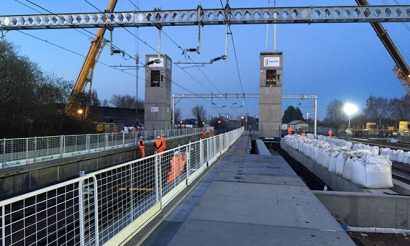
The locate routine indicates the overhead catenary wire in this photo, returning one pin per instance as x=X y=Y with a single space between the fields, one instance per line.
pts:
x=183 y=50
x=70 y=51
x=83 y=31
x=236 y=60
x=83 y=56
x=91 y=36
x=152 y=48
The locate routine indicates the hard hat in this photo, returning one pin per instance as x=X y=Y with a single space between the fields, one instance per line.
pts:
x=177 y=153
x=158 y=137
x=141 y=137
x=163 y=134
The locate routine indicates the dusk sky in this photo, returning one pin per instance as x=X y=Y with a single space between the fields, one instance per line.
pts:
x=334 y=61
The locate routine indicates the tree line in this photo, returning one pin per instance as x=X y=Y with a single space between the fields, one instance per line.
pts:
x=32 y=102
x=385 y=112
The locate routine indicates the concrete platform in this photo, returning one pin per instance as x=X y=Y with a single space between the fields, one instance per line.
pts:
x=250 y=200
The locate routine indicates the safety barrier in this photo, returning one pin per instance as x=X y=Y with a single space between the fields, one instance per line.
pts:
x=23 y=151
x=110 y=205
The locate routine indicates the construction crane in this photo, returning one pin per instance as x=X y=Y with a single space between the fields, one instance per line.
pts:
x=401 y=69
x=87 y=70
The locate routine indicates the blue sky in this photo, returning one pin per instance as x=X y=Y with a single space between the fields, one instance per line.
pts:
x=334 y=61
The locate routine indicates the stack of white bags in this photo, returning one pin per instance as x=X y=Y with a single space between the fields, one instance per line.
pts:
x=396 y=155
x=361 y=164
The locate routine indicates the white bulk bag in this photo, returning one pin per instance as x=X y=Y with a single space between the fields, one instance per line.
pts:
x=333 y=161
x=378 y=172
x=348 y=169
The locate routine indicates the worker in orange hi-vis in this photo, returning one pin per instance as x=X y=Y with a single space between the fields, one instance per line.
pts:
x=164 y=142
x=141 y=146
x=177 y=167
x=289 y=130
x=203 y=134
x=158 y=145
x=330 y=133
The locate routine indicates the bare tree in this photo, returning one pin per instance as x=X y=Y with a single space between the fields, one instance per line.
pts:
x=377 y=108
x=334 y=113
x=199 y=113
x=177 y=115
x=125 y=101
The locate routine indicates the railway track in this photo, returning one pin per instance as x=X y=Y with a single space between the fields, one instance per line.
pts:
x=381 y=143
x=401 y=172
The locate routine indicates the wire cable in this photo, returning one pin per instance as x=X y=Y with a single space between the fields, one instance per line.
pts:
x=236 y=61
x=70 y=51
x=152 y=48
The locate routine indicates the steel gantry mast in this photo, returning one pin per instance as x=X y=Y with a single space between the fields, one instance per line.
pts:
x=190 y=17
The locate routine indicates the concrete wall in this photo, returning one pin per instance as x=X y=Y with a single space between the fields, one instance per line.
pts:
x=19 y=180
x=359 y=209
x=261 y=148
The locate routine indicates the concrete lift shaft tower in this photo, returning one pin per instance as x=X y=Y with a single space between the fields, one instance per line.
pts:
x=270 y=90
x=158 y=88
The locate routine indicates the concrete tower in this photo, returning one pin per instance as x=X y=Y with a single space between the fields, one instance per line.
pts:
x=270 y=101
x=158 y=81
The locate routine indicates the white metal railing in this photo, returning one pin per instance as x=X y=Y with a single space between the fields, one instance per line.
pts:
x=23 y=151
x=107 y=206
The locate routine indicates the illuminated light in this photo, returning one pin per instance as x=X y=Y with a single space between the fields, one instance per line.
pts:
x=80 y=111
x=350 y=109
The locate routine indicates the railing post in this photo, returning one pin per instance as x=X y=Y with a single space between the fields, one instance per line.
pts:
x=35 y=148
x=188 y=162
x=87 y=143
x=201 y=152
x=106 y=141
x=4 y=154
x=96 y=219
x=64 y=137
x=26 y=150
x=3 y=225
x=61 y=146
x=132 y=191
x=81 y=209
x=208 y=149
x=47 y=146
x=157 y=170
x=123 y=139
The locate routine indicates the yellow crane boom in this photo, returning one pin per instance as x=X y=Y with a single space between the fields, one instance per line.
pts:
x=86 y=73
x=401 y=69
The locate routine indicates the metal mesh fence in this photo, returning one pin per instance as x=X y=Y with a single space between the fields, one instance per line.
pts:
x=94 y=208
x=45 y=218
x=23 y=151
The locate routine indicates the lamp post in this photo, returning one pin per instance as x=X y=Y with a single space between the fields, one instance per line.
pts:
x=349 y=109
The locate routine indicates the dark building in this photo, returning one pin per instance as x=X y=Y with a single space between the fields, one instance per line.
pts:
x=120 y=116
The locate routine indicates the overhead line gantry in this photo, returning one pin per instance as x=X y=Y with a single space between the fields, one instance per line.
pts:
x=190 y=17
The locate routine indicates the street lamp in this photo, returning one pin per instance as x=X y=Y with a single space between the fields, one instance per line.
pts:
x=350 y=109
